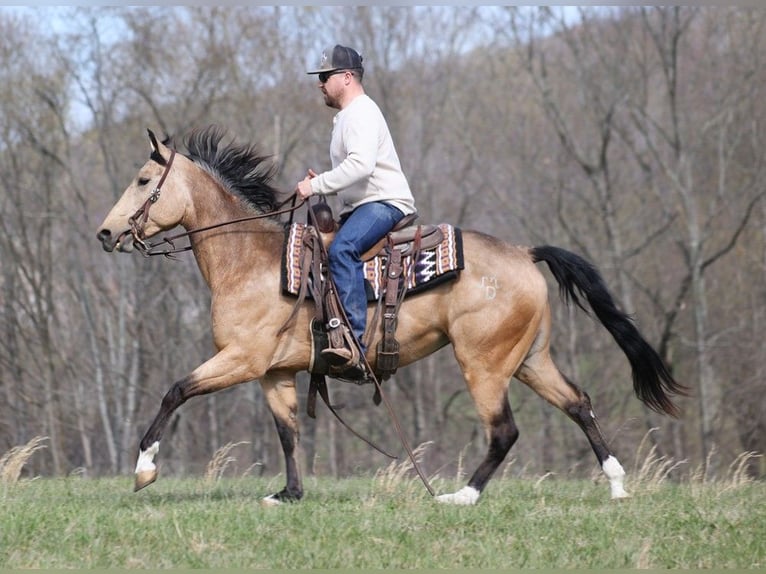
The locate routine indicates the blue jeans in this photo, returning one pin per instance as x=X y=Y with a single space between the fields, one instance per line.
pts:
x=359 y=231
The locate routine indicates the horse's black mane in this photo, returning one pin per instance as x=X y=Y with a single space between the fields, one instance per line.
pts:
x=238 y=167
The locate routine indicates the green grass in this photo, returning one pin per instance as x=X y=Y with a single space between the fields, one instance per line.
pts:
x=379 y=523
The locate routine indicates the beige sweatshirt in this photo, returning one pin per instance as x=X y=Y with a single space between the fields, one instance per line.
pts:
x=365 y=166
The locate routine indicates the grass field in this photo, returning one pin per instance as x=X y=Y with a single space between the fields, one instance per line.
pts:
x=387 y=521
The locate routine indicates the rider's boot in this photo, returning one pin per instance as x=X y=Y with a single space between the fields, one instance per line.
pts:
x=339 y=357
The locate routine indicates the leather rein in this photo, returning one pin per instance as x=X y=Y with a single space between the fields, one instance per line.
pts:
x=141 y=216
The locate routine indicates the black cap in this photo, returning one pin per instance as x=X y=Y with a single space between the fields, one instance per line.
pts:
x=339 y=58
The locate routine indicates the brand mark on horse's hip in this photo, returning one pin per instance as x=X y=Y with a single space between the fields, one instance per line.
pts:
x=489 y=284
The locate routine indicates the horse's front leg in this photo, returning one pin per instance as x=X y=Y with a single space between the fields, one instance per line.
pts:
x=279 y=390
x=222 y=371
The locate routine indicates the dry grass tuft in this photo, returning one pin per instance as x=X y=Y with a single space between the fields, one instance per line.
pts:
x=541 y=479
x=738 y=470
x=13 y=461
x=400 y=473
x=736 y=476
x=703 y=474
x=221 y=459
x=651 y=470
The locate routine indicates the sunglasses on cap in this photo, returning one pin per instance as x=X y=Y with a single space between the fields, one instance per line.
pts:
x=324 y=76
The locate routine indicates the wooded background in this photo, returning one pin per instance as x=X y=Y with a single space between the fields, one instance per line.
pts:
x=631 y=135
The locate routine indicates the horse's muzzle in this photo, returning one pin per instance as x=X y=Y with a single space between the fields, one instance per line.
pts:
x=123 y=242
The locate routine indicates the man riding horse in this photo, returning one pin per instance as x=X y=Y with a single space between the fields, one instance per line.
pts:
x=367 y=175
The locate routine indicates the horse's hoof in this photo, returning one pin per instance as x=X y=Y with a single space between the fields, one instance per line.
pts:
x=466 y=496
x=269 y=501
x=621 y=495
x=144 y=478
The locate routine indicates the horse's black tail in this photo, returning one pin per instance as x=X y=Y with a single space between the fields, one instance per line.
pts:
x=652 y=381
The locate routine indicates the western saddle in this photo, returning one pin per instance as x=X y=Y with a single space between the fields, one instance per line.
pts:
x=329 y=326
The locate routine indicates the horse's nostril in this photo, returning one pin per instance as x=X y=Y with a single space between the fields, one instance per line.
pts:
x=103 y=235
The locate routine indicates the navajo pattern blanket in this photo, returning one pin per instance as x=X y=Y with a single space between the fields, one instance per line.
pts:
x=433 y=267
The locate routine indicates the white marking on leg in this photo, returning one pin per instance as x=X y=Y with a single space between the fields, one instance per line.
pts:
x=146 y=458
x=616 y=475
x=466 y=496
x=270 y=500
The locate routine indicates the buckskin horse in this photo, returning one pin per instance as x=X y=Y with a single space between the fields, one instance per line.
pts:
x=494 y=338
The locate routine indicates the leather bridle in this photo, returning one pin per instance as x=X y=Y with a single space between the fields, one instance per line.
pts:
x=141 y=216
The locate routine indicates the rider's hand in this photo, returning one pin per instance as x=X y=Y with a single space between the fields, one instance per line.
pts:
x=304 y=188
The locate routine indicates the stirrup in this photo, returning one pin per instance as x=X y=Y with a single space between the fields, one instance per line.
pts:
x=356 y=373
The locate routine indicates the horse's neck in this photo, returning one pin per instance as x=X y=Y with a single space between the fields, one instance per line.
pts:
x=228 y=255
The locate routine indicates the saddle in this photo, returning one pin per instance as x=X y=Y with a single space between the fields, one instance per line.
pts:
x=409 y=259
x=329 y=326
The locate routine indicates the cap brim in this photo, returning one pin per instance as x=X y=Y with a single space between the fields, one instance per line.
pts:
x=321 y=70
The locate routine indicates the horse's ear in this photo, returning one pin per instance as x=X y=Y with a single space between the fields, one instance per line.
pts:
x=153 y=140
x=156 y=155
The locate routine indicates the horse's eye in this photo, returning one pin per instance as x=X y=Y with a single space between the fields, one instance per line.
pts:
x=142 y=181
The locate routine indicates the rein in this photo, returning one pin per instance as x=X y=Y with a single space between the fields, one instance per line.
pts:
x=146 y=249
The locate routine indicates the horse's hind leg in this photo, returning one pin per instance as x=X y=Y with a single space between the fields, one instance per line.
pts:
x=539 y=373
x=279 y=389
x=490 y=395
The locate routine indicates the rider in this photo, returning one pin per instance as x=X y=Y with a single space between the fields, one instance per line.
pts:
x=367 y=176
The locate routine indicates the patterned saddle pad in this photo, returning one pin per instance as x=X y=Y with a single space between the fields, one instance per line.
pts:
x=433 y=266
